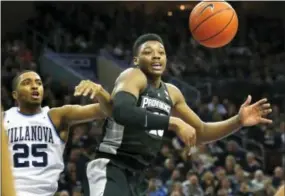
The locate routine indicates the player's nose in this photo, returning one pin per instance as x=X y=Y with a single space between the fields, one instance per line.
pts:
x=156 y=56
x=34 y=86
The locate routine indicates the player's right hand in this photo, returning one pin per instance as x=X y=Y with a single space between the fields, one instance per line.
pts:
x=184 y=131
x=87 y=87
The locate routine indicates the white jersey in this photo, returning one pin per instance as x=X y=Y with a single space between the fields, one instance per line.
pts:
x=36 y=152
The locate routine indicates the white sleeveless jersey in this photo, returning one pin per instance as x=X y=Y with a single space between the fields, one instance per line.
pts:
x=36 y=152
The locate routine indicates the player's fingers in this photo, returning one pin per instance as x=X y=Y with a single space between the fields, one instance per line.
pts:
x=188 y=141
x=80 y=90
x=80 y=85
x=266 y=112
x=93 y=95
x=265 y=121
x=266 y=106
x=83 y=87
x=247 y=101
x=87 y=91
x=194 y=140
x=76 y=89
x=95 y=88
x=260 y=102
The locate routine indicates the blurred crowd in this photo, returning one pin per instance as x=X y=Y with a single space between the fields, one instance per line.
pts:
x=224 y=168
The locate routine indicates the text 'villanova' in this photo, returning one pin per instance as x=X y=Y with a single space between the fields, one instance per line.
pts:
x=30 y=133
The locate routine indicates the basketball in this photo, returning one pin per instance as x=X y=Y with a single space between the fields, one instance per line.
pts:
x=213 y=23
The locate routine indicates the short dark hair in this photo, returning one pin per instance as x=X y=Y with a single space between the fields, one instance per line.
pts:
x=144 y=38
x=191 y=173
x=15 y=79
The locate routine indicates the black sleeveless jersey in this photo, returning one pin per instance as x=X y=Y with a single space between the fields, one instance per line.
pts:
x=132 y=147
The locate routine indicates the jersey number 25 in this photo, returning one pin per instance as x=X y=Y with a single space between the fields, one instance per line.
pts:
x=21 y=159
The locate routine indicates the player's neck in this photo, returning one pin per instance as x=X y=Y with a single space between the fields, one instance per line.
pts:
x=30 y=110
x=155 y=82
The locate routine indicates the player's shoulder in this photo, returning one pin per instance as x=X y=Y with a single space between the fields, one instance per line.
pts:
x=172 y=88
x=174 y=92
x=10 y=113
x=46 y=109
x=132 y=72
x=133 y=76
x=11 y=110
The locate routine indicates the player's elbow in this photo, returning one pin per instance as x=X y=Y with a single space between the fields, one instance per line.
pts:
x=121 y=113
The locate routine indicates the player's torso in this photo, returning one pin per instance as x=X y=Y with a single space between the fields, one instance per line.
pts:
x=141 y=145
x=36 y=152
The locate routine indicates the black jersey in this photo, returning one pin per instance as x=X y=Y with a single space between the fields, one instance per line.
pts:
x=133 y=147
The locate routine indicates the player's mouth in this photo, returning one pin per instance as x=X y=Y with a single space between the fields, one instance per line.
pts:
x=156 y=66
x=35 y=95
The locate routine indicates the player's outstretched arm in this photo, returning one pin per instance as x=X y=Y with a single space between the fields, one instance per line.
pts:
x=70 y=114
x=125 y=111
x=248 y=115
x=93 y=90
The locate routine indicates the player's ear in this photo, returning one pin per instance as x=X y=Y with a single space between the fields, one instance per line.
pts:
x=15 y=95
x=136 y=61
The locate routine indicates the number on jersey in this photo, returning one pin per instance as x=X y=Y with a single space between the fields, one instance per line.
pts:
x=157 y=132
x=23 y=151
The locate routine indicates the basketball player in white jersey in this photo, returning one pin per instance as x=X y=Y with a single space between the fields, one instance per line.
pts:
x=34 y=132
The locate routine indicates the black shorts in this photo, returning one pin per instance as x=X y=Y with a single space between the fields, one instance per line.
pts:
x=107 y=179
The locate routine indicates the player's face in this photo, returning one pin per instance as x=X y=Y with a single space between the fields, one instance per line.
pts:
x=152 y=58
x=30 y=89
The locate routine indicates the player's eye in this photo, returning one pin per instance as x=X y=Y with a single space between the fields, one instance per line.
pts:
x=147 y=52
x=26 y=82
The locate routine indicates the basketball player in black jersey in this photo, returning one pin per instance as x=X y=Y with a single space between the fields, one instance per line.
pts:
x=143 y=109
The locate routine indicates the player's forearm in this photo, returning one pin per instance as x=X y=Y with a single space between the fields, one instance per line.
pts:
x=126 y=113
x=76 y=113
x=104 y=99
x=218 y=130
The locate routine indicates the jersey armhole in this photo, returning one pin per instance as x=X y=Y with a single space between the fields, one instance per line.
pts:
x=167 y=90
x=145 y=89
x=56 y=129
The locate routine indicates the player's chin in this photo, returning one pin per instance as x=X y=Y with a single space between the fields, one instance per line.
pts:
x=157 y=73
x=35 y=101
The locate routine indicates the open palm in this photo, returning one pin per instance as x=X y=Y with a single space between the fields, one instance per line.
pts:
x=256 y=113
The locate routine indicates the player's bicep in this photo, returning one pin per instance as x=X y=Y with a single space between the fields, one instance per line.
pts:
x=131 y=81
x=183 y=111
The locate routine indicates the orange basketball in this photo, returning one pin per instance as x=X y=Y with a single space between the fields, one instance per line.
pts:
x=213 y=23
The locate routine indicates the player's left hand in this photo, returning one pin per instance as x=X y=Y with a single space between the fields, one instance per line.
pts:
x=254 y=114
x=87 y=87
